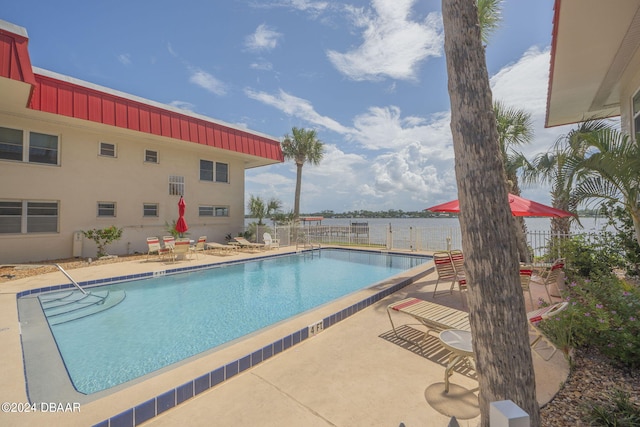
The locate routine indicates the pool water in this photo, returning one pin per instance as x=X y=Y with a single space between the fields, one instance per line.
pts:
x=167 y=319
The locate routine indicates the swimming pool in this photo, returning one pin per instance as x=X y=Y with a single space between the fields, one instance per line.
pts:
x=164 y=320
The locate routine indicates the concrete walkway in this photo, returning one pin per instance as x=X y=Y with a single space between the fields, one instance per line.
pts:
x=354 y=373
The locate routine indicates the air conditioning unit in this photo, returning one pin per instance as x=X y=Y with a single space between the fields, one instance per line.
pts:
x=77 y=243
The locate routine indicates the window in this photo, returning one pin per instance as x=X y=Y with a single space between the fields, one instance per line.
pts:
x=150 y=210
x=222 y=172
x=218 y=174
x=106 y=209
x=43 y=148
x=150 y=156
x=107 y=150
x=41 y=217
x=10 y=217
x=636 y=112
x=213 y=211
x=10 y=144
x=206 y=170
x=176 y=185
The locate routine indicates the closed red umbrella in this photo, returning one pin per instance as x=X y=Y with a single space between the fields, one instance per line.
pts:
x=519 y=207
x=181 y=224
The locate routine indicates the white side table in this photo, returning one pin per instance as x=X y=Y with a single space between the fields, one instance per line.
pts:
x=459 y=343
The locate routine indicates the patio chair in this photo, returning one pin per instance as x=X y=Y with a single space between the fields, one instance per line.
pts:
x=447 y=272
x=199 y=246
x=552 y=276
x=181 y=249
x=245 y=244
x=169 y=241
x=154 y=247
x=526 y=271
x=269 y=242
x=220 y=248
x=535 y=317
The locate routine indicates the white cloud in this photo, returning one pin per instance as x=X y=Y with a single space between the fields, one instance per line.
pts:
x=523 y=85
x=297 y=107
x=263 y=39
x=124 y=58
x=261 y=65
x=207 y=81
x=183 y=105
x=393 y=45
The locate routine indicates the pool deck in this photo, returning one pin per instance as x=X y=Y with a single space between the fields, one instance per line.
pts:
x=354 y=373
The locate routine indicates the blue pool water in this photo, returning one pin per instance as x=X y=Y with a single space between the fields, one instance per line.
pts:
x=167 y=319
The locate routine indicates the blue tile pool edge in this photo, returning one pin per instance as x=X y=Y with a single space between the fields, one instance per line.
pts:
x=178 y=395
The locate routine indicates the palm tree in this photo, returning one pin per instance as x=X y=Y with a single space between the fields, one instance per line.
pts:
x=515 y=128
x=303 y=146
x=258 y=208
x=556 y=168
x=489 y=17
x=496 y=303
x=604 y=163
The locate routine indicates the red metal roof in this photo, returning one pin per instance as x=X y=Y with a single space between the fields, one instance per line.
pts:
x=72 y=99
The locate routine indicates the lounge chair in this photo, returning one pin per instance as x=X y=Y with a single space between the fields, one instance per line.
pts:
x=220 y=248
x=447 y=271
x=551 y=276
x=526 y=271
x=269 y=242
x=535 y=317
x=434 y=317
x=437 y=318
x=199 y=246
x=155 y=247
x=245 y=244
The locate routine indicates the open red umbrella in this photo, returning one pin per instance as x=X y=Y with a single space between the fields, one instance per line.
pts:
x=519 y=207
x=181 y=224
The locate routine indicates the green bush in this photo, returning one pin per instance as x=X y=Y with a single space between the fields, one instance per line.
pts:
x=620 y=411
x=603 y=313
x=102 y=237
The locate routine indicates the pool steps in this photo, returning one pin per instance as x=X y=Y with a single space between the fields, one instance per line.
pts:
x=67 y=306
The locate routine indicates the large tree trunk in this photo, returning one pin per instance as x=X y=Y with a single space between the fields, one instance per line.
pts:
x=496 y=302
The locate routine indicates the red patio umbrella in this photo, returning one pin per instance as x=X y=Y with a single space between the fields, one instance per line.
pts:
x=181 y=224
x=519 y=207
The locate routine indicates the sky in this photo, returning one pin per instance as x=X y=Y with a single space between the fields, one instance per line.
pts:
x=368 y=76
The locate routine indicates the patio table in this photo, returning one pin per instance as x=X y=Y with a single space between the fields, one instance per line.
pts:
x=458 y=342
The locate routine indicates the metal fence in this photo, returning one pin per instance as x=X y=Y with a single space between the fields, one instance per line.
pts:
x=543 y=244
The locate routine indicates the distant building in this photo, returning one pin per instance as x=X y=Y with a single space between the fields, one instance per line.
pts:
x=76 y=156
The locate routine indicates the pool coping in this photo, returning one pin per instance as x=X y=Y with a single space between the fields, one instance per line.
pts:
x=177 y=395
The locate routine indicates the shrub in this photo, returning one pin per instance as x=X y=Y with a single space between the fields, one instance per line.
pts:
x=604 y=313
x=619 y=412
x=102 y=237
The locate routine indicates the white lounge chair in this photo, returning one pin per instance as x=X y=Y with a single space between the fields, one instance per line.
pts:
x=245 y=244
x=220 y=248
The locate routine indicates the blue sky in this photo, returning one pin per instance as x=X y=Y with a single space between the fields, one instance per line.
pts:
x=369 y=76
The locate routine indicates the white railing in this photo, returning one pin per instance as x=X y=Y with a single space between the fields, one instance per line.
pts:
x=408 y=238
